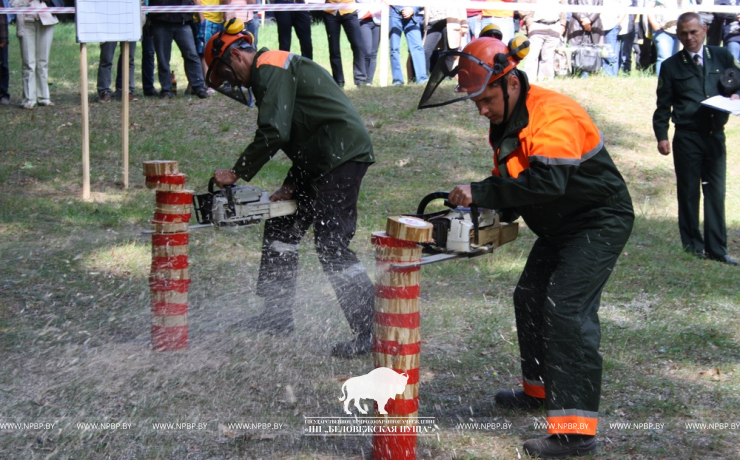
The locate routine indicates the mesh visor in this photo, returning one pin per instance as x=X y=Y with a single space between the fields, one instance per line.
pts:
x=456 y=76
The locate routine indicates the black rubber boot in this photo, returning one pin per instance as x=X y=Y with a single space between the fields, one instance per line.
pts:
x=359 y=346
x=560 y=446
x=518 y=400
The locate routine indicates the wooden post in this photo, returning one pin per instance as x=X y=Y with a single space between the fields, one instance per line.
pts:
x=397 y=341
x=85 y=124
x=383 y=53
x=124 y=104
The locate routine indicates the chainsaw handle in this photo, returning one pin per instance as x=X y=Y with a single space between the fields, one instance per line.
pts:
x=431 y=197
x=226 y=192
x=475 y=217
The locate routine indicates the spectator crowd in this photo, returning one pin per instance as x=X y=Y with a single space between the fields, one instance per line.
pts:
x=625 y=42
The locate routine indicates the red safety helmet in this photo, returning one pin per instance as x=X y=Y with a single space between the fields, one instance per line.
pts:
x=482 y=62
x=216 y=50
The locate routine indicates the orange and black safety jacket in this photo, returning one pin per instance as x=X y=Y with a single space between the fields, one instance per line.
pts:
x=550 y=165
x=305 y=114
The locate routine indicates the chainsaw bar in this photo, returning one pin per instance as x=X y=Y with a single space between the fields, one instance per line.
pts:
x=441 y=257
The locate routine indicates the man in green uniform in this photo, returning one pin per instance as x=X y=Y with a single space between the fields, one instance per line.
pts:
x=552 y=168
x=686 y=79
x=305 y=114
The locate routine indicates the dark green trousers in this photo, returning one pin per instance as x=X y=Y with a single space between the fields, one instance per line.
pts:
x=556 y=303
x=700 y=161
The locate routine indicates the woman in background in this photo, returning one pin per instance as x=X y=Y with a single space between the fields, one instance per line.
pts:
x=35 y=34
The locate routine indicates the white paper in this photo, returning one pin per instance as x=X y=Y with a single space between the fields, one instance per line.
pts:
x=725 y=104
x=101 y=21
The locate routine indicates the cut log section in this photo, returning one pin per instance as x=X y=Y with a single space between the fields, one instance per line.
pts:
x=169 y=227
x=160 y=168
x=409 y=229
x=166 y=183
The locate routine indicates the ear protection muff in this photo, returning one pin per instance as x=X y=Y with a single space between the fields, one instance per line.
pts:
x=518 y=50
x=518 y=47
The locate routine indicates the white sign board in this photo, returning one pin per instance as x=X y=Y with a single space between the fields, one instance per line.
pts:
x=108 y=21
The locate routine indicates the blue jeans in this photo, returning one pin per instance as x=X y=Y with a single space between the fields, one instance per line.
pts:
x=666 y=45
x=370 y=33
x=734 y=48
x=611 y=64
x=163 y=34
x=107 y=50
x=474 y=27
x=147 y=63
x=625 y=51
x=254 y=27
x=412 y=30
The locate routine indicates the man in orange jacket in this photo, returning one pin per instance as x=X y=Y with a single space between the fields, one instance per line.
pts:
x=552 y=169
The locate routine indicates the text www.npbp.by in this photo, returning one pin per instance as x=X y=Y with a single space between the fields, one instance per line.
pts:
x=103 y=426
x=492 y=426
x=7 y=426
x=179 y=426
x=636 y=426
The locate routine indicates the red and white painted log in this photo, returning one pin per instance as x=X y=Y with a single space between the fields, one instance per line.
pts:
x=170 y=277
x=397 y=339
x=173 y=207
x=166 y=183
x=168 y=283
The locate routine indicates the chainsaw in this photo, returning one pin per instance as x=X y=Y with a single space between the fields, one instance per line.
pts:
x=461 y=232
x=237 y=206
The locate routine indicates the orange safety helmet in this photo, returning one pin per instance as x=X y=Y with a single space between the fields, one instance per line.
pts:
x=215 y=53
x=481 y=62
x=492 y=52
x=218 y=45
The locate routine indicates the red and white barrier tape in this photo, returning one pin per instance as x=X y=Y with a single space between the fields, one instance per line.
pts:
x=348 y=6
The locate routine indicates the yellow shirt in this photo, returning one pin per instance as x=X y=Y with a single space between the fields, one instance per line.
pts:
x=499 y=13
x=341 y=12
x=212 y=15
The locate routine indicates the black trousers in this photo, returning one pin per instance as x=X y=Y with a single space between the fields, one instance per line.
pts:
x=556 y=303
x=301 y=21
x=700 y=164
x=351 y=24
x=331 y=206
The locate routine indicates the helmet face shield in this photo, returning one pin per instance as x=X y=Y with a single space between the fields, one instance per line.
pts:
x=472 y=75
x=222 y=77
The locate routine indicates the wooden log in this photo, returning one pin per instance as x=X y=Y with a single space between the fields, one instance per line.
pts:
x=160 y=168
x=161 y=226
x=166 y=183
x=497 y=234
x=396 y=334
x=409 y=229
x=169 y=333
x=170 y=244
x=172 y=208
x=169 y=274
x=169 y=282
x=172 y=218
x=183 y=198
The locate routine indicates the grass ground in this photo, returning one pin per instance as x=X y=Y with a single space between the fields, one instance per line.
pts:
x=74 y=313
